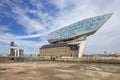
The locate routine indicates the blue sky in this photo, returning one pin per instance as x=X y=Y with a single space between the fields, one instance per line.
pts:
x=28 y=22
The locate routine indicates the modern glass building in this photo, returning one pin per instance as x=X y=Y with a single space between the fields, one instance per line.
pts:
x=76 y=33
x=83 y=27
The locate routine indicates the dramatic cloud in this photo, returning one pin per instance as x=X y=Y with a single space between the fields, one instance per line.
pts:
x=29 y=23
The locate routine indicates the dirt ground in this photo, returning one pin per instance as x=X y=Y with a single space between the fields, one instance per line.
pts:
x=47 y=70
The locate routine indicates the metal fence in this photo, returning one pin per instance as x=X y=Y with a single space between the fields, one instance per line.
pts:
x=111 y=60
x=19 y=59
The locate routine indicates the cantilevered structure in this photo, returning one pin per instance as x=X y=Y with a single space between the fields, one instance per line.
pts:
x=76 y=34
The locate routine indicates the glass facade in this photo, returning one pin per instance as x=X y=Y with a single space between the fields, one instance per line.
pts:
x=79 y=28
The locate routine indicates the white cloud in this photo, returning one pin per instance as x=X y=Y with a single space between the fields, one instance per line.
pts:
x=61 y=4
x=32 y=36
x=31 y=25
x=36 y=3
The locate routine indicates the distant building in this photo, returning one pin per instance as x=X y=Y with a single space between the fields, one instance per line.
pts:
x=71 y=40
x=12 y=50
x=15 y=50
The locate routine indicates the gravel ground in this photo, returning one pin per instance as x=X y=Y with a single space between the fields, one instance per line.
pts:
x=48 y=70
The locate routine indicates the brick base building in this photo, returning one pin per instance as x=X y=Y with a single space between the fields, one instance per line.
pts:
x=59 y=50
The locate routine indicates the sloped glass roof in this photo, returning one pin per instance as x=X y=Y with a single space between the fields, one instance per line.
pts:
x=79 y=28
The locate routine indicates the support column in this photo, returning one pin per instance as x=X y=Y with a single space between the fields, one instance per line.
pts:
x=81 y=48
x=15 y=52
x=18 y=52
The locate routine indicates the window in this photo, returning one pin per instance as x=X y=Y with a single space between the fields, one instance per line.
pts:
x=74 y=47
